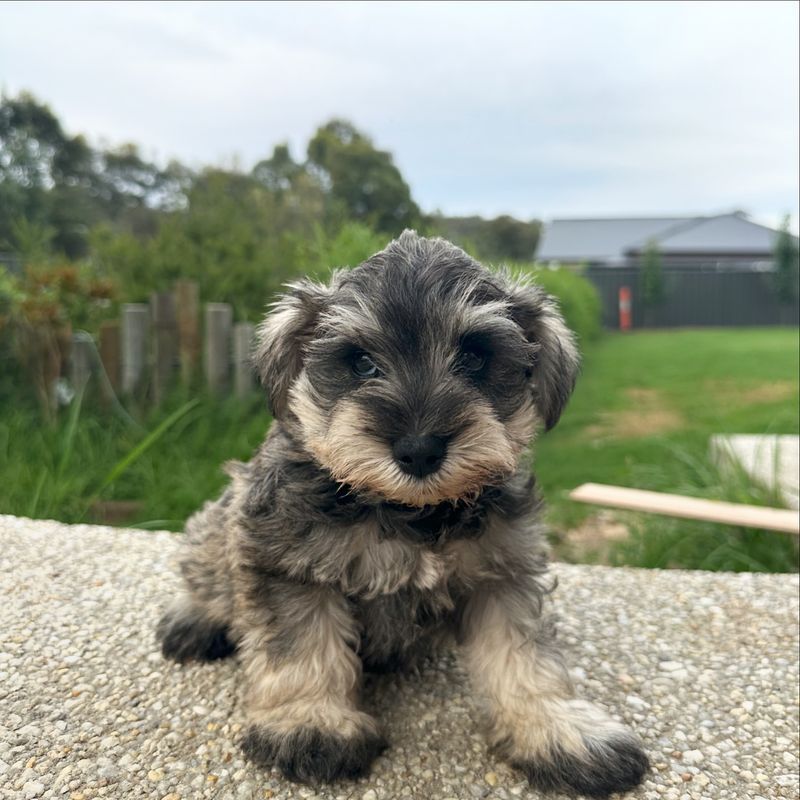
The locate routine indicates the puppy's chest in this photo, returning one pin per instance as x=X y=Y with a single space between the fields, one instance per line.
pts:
x=380 y=566
x=427 y=555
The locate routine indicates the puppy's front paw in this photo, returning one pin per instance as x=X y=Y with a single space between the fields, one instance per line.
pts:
x=605 y=766
x=310 y=755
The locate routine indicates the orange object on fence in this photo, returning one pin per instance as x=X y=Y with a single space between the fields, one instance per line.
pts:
x=624 y=308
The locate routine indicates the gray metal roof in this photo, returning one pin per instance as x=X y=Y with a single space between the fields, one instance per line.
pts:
x=598 y=239
x=728 y=233
x=609 y=240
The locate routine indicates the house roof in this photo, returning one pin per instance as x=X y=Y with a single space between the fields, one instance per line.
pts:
x=611 y=240
x=727 y=233
x=598 y=239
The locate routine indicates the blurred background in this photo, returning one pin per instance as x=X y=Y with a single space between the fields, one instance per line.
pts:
x=165 y=167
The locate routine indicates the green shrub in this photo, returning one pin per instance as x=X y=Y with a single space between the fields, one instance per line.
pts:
x=577 y=298
x=348 y=247
x=652 y=276
x=237 y=263
x=786 y=277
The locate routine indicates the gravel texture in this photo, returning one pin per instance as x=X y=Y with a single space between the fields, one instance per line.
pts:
x=704 y=666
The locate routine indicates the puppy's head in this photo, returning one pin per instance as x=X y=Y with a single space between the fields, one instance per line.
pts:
x=419 y=376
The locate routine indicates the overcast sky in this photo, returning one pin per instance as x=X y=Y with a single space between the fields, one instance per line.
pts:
x=538 y=110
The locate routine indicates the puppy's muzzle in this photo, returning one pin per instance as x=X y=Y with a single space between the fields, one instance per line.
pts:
x=419 y=455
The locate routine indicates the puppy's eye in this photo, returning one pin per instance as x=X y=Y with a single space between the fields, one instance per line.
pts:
x=364 y=366
x=472 y=358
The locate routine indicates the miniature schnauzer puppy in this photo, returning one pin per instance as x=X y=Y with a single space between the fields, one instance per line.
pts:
x=387 y=511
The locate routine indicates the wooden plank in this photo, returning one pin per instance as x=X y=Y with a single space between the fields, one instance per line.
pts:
x=135 y=320
x=219 y=319
x=165 y=342
x=80 y=362
x=110 y=352
x=243 y=378
x=675 y=505
x=188 y=309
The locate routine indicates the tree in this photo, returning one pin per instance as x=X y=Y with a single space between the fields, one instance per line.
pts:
x=279 y=172
x=652 y=276
x=787 y=266
x=503 y=238
x=59 y=181
x=30 y=138
x=238 y=239
x=512 y=238
x=364 y=181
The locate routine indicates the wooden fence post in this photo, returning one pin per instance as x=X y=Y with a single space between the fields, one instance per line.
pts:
x=188 y=311
x=243 y=333
x=110 y=352
x=219 y=317
x=80 y=362
x=134 y=345
x=165 y=342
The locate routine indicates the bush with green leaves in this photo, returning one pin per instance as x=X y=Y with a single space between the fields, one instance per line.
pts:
x=652 y=276
x=239 y=263
x=787 y=265
x=577 y=298
x=39 y=310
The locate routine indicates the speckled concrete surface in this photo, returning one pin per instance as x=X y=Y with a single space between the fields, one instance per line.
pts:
x=704 y=666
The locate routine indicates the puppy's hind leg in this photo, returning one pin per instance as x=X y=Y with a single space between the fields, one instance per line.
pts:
x=188 y=633
x=196 y=626
x=537 y=723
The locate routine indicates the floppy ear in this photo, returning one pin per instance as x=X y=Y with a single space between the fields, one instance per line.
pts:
x=282 y=337
x=557 y=360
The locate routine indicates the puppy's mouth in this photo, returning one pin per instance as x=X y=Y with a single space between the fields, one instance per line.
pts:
x=412 y=493
x=418 y=469
x=420 y=473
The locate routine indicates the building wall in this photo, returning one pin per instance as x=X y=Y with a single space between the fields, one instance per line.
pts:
x=695 y=298
x=740 y=262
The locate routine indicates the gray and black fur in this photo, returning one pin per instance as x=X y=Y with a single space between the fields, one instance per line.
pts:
x=387 y=512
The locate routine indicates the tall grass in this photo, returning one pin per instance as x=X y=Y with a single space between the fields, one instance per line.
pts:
x=665 y=542
x=61 y=470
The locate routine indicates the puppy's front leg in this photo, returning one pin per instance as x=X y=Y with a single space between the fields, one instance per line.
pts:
x=559 y=741
x=304 y=679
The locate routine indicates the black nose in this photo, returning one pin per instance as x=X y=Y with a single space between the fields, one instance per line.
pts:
x=419 y=455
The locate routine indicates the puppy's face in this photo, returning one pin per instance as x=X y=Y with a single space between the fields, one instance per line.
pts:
x=418 y=377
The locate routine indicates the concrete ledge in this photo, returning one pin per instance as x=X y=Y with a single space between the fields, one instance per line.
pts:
x=704 y=666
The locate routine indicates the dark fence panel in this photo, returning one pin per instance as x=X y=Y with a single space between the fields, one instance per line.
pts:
x=695 y=298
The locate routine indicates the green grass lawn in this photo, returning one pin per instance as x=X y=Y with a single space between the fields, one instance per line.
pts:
x=642 y=414
x=643 y=411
